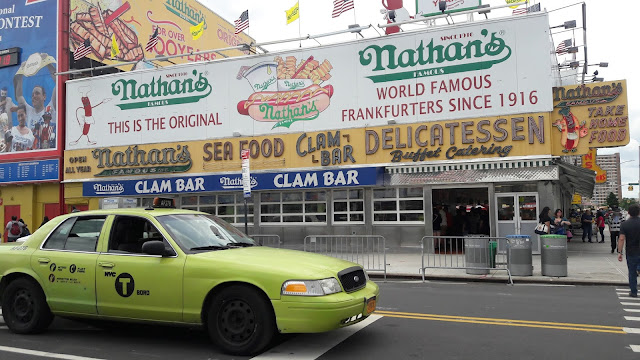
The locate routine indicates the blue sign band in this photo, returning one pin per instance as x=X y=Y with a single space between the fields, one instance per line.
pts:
x=261 y=181
x=29 y=171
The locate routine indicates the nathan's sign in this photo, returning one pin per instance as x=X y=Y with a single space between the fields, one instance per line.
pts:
x=470 y=71
x=590 y=116
x=135 y=161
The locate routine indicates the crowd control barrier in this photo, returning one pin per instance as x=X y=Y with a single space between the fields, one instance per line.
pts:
x=476 y=254
x=366 y=250
x=267 y=240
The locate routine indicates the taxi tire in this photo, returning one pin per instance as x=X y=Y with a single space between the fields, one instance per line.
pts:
x=257 y=310
x=30 y=295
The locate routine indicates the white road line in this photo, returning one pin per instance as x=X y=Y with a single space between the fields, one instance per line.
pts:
x=631 y=330
x=632 y=310
x=628 y=298
x=630 y=303
x=635 y=348
x=44 y=354
x=312 y=346
x=4 y=328
x=632 y=318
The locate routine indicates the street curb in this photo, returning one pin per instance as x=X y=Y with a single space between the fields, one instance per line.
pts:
x=504 y=280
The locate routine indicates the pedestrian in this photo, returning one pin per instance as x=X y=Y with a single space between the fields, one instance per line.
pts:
x=45 y=220
x=560 y=223
x=630 y=240
x=25 y=229
x=587 y=220
x=14 y=229
x=437 y=220
x=615 y=219
x=600 y=223
x=545 y=219
x=74 y=209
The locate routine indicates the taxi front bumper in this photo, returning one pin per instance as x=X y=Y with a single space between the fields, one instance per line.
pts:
x=300 y=314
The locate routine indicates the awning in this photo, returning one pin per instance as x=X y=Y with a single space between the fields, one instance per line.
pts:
x=576 y=179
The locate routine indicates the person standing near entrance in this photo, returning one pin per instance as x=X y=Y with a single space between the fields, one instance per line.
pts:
x=14 y=229
x=601 y=225
x=544 y=218
x=587 y=220
x=630 y=239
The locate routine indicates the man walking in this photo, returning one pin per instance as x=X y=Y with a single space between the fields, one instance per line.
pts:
x=630 y=233
x=14 y=229
x=615 y=219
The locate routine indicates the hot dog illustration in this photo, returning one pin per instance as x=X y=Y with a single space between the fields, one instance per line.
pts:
x=571 y=130
x=313 y=100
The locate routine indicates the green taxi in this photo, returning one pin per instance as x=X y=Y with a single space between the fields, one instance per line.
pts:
x=176 y=267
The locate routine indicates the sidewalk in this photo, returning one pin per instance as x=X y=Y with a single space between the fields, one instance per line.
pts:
x=587 y=263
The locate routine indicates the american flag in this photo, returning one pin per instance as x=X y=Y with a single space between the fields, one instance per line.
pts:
x=340 y=6
x=526 y=10
x=82 y=50
x=153 y=40
x=563 y=47
x=243 y=22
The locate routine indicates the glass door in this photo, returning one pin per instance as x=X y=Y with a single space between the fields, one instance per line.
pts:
x=528 y=218
x=517 y=221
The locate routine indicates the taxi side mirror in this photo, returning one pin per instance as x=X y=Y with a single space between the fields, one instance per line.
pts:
x=155 y=247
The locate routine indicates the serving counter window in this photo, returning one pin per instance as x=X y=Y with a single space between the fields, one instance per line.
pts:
x=393 y=205
x=293 y=207
x=348 y=206
x=227 y=206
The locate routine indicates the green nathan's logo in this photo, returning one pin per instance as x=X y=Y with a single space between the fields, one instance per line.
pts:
x=181 y=9
x=161 y=92
x=389 y=58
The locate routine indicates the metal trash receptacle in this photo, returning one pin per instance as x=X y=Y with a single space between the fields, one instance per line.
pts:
x=553 y=251
x=476 y=255
x=519 y=255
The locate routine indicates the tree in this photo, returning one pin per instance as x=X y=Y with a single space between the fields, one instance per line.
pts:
x=626 y=202
x=612 y=200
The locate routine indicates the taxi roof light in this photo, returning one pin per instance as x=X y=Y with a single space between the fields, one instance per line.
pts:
x=164 y=203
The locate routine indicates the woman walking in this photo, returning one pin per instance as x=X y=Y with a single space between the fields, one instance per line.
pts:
x=600 y=223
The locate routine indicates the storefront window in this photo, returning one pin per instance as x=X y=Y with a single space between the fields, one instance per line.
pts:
x=348 y=206
x=398 y=205
x=505 y=208
x=229 y=207
x=295 y=207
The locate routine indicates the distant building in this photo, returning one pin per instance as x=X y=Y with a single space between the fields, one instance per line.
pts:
x=610 y=164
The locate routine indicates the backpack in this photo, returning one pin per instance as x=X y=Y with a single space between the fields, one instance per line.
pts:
x=15 y=229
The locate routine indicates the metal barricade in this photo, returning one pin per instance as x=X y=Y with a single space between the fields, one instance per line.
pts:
x=268 y=240
x=453 y=252
x=366 y=250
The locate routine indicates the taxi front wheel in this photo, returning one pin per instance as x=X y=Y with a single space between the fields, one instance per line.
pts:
x=24 y=307
x=241 y=321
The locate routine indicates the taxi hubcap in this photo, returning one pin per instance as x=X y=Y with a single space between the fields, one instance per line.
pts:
x=237 y=321
x=23 y=306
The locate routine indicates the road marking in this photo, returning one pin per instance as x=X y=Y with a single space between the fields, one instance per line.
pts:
x=4 y=328
x=631 y=330
x=635 y=348
x=312 y=346
x=630 y=304
x=506 y=322
x=44 y=354
x=628 y=298
x=632 y=310
x=632 y=318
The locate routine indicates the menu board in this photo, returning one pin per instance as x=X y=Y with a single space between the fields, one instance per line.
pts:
x=40 y=170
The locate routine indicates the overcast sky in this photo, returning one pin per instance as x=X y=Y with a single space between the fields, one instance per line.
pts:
x=610 y=38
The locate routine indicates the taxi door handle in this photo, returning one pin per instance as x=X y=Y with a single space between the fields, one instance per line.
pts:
x=43 y=260
x=107 y=265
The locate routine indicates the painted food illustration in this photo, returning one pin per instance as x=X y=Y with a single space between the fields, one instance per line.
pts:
x=286 y=90
x=99 y=27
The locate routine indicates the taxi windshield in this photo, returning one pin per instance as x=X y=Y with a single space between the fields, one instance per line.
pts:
x=203 y=232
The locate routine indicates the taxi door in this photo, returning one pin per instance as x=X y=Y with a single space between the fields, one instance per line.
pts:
x=131 y=284
x=66 y=264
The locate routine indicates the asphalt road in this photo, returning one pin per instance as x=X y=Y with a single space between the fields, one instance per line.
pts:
x=414 y=321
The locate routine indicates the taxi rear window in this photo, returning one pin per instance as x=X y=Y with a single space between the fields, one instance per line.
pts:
x=76 y=234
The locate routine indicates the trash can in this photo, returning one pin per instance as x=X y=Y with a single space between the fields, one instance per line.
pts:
x=553 y=251
x=476 y=255
x=519 y=255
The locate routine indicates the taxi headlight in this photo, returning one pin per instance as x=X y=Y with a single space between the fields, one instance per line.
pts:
x=311 y=287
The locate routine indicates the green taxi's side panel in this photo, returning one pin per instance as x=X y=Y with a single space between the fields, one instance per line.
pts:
x=138 y=286
x=269 y=269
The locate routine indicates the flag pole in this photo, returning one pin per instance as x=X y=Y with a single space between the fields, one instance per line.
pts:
x=354 y=18
x=299 y=25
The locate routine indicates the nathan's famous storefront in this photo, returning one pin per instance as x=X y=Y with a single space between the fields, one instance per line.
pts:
x=321 y=125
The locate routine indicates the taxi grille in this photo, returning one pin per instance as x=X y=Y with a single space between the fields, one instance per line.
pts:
x=352 y=279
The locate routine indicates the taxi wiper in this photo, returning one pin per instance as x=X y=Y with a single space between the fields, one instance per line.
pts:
x=210 y=247
x=240 y=244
